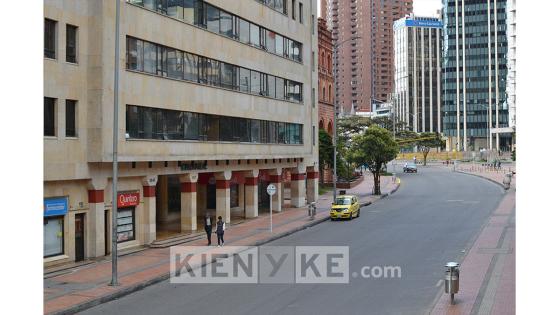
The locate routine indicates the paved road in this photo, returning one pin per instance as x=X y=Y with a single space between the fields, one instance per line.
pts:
x=431 y=219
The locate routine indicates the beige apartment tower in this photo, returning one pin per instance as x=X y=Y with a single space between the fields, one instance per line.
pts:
x=216 y=101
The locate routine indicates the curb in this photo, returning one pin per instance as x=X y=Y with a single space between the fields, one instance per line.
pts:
x=486 y=178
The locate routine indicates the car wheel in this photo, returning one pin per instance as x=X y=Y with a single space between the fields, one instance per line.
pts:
x=332 y=219
x=358 y=214
x=351 y=216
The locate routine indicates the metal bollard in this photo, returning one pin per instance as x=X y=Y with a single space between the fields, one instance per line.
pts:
x=452 y=279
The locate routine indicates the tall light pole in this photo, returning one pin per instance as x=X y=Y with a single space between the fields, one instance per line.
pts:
x=114 y=281
x=335 y=59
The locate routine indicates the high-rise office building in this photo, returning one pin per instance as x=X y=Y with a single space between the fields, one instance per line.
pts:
x=474 y=71
x=363 y=31
x=417 y=91
x=511 y=61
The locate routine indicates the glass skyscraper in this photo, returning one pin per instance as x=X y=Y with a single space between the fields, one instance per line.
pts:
x=474 y=74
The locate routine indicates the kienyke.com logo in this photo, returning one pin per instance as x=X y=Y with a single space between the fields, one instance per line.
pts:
x=268 y=264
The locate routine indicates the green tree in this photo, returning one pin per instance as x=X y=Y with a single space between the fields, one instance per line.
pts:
x=428 y=140
x=374 y=148
x=326 y=151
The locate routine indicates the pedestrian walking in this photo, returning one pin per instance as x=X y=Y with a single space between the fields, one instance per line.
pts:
x=415 y=159
x=208 y=228
x=499 y=164
x=220 y=228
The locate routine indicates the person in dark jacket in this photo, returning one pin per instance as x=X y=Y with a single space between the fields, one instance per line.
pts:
x=220 y=228
x=208 y=228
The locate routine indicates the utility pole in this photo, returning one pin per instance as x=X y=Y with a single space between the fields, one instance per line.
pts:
x=114 y=281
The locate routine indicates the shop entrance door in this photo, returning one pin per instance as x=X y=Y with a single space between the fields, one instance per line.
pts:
x=79 y=236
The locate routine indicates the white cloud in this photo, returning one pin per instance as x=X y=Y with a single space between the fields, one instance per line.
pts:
x=426 y=7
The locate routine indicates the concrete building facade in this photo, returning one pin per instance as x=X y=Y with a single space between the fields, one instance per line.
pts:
x=474 y=71
x=216 y=101
x=417 y=88
x=364 y=65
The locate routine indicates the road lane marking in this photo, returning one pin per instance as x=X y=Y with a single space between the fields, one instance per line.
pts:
x=439 y=283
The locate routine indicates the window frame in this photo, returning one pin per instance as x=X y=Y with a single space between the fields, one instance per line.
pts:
x=54 y=39
x=68 y=47
x=54 y=120
x=74 y=104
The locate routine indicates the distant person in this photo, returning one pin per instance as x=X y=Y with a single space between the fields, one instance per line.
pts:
x=208 y=228
x=499 y=164
x=415 y=159
x=220 y=228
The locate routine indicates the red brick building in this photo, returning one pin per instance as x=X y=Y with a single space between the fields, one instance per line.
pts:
x=326 y=78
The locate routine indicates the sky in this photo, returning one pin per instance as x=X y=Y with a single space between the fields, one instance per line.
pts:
x=421 y=7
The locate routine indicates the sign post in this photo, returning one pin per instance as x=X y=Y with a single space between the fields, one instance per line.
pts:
x=271 y=190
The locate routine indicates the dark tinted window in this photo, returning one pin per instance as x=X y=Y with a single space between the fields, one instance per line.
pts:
x=49 y=116
x=71 y=43
x=50 y=38
x=70 y=118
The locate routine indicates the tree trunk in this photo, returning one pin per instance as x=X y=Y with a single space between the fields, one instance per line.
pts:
x=376 y=184
x=425 y=152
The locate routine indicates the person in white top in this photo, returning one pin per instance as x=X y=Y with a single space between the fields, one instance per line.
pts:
x=208 y=228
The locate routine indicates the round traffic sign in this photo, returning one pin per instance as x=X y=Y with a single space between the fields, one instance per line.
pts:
x=271 y=189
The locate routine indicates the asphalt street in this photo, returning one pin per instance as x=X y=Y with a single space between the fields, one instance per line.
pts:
x=433 y=218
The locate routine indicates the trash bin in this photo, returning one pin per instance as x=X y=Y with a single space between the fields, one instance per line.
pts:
x=507 y=180
x=452 y=279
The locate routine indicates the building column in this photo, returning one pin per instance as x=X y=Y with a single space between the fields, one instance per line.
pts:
x=188 y=202
x=95 y=219
x=252 y=194
x=149 y=196
x=223 y=196
x=297 y=187
x=276 y=179
x=312 y=184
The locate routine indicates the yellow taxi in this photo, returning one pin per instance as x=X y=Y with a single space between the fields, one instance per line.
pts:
x=345 y=207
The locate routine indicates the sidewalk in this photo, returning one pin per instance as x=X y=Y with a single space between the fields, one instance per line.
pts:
x=86 y=286
x=487 y=278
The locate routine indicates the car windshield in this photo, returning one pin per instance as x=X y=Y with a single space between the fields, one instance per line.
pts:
x=343 y=201
x=412 y=165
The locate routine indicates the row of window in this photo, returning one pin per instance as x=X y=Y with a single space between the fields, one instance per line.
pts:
x=49 y=117
x=50 y=38
x=169 y=62
x=216 y=20
x=163 y=124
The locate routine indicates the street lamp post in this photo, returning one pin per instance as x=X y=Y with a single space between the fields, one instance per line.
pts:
x=114 y=281
x=335 y=47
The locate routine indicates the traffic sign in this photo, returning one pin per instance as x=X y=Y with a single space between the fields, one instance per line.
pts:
x=271 y=189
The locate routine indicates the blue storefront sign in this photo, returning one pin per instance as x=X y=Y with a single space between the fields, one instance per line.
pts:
x=424 y=23
x=55 y=206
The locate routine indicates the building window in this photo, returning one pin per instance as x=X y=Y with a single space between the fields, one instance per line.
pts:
x=169 y=62
x=125 y=224
x=293 y=9
x=53 y=236
x=50 y=39
x=301 y=12
x=49 y=116
x=216 y=20
x=162 y=124
x=71 y=43
x=71 y=118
